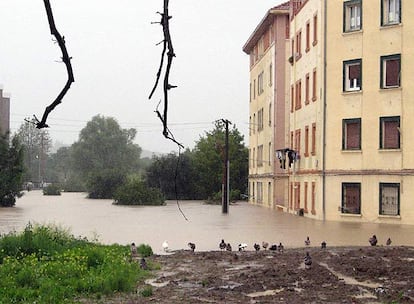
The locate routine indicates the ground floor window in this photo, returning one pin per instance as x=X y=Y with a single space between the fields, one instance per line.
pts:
x=389 y=199
x=351 y=198
x=259 y=192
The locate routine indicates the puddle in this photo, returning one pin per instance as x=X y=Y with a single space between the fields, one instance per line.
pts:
x=241 y=267
x=270 y=292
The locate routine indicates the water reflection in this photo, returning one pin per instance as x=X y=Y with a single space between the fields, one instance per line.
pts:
x=206 y=226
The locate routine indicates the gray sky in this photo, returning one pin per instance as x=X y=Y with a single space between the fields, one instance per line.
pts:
x=115 y=59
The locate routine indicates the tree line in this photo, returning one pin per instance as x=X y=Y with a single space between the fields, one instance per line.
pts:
x=106 y=163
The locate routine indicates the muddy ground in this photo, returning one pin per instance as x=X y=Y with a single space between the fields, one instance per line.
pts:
x=337 y=275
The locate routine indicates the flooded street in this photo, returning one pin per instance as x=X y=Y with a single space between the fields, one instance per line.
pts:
x=206 y=225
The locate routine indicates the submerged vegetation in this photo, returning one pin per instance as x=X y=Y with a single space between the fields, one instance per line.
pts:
x=46 y=264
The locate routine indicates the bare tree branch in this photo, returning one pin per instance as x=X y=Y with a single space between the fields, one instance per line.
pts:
x=169 y=51
x=65 y=58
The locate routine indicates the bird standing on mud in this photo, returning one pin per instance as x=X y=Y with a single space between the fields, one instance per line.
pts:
x=373 y=240
x=307 y=241
x=308 y=261
x=280 y=248
x=323 y=245
x=222 y=245
x=165 y=246
x=389 y=242
x=242 y=246
x=265 y=245
x=228 y=247
x=192 y=246
x=133 y=250
x=256 y=247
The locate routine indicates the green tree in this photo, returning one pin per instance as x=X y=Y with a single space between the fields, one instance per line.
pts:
x=104 y=155
x=36 y=143
x=11 y=170
x=208 y=160
x=174 y=175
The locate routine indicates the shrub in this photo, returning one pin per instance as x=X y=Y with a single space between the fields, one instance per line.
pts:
x=146 y=291
x=145 y=250
x=135 y=192
x=52 y=189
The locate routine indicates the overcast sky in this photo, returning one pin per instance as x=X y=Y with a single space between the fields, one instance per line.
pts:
x=115 y=59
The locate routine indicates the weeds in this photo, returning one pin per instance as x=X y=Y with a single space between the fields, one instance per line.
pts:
x=46 y=264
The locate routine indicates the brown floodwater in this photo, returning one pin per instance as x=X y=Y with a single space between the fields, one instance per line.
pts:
x=206 y=224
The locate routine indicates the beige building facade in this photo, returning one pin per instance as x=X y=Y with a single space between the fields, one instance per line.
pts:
x=346 y=153
x=268 y=120
x=4 y=113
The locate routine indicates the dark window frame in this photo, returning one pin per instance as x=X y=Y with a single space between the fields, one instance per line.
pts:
x=344 y=209
x=389 y=185
x=385 y=19
x=345 y=123
x=345 y=72
x=383 y=74
x=347 y=23
x=382 y=140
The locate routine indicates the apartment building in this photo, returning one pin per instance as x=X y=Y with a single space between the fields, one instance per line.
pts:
x=369 y=158
x=4 y=113
x=267 y=47
x=348 y=154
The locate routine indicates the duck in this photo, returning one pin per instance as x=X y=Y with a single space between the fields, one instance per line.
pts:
x=389 y=242
x=256 y=247
x=280 y=247
x=192 y=246
x=222 y=245
x=242 y=246
x=373 y=240
x=273 y=247
x=308 y=261
x=323 y=245
x=228 y=247
x=165 y=246
x=133 y=250
x=143 y=264
x=265 y=245
x=307 y=241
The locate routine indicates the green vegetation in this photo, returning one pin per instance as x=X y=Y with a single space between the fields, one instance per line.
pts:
x=144 y=250
x=52 y=189
x=136 y=192
x=46 y=264
x=11 y=170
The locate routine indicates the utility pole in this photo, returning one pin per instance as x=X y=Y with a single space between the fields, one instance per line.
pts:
x=225 y=202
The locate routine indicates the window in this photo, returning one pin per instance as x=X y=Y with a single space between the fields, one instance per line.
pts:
x=298 y=53
x=352 y=15
x=307 y=37
x=352 y=75
x=260 y=120
x=260 y=156
x=314 y=85
x=390 y=12
x=298 y=99
x=390 y=71
x=270 y=114
x=305 y=194
x=389 y=199
x=270 y=75
x=260 y=89
x=390 y=132
x=313 y=197
x=254 y=89
x=307 y=83
x=351 y=198
x=313 y=151
x=306 y=140
x=259 y=192
x=254 y=123
x=269 y=155
x=292 y=98
x=297 y=140
x=297 y=195
x=315 y=30
x=254 y=158
x=351 y=134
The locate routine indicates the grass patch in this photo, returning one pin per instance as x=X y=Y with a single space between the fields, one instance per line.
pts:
x=46 y=264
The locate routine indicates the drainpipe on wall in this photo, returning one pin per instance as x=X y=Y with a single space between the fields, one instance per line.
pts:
x=324 y=113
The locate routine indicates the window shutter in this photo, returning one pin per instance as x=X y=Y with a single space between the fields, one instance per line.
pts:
x=392 y=70
x=352 y=135
x=354 y=71
x=391 y=135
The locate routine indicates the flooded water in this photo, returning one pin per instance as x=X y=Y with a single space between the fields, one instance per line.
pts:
x=206 y=225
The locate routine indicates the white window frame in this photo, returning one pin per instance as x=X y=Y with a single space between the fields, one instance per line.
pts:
x=391 y=12
x=350 y=86
x=352 y=16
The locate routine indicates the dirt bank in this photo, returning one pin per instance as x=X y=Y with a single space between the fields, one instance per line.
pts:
x=337 y=275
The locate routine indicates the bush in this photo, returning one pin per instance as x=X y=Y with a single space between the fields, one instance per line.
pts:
x=135 y=192
x=46 y=264
x=52 y=189
x=145 y=250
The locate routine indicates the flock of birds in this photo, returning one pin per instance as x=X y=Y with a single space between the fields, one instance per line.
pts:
x=223 y=246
